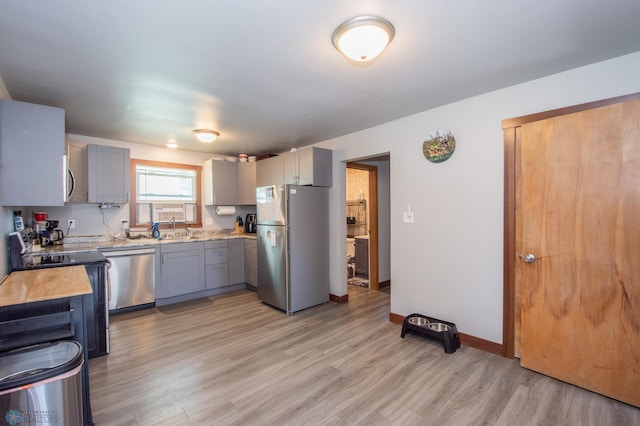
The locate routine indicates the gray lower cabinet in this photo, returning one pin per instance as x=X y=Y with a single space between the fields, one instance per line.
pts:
x=236 y=261
x=362 y=256
x=182 y=268
x=251 y=261
x=216 y=264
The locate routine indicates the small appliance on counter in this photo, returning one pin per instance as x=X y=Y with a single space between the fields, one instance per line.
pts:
x=250 y=223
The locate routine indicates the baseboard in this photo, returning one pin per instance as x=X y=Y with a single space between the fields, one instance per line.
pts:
x=339 y=299
x=384 y=284
x=465 y=339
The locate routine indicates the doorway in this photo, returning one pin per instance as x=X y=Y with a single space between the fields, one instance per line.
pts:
x=366 y=208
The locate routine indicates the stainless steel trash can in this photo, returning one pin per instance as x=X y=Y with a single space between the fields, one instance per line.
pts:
x=42 y=384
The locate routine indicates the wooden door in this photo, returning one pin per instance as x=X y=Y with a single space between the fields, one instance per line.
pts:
x=579 y=214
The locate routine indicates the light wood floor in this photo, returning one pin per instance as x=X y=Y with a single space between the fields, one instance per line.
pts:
x=233 y=360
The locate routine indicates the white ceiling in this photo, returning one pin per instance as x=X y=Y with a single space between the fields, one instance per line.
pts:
x=265 y=74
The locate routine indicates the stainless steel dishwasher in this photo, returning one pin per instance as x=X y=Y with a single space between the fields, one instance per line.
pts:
x=131 y=279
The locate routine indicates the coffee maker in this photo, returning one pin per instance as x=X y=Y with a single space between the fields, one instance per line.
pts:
x=250 y=223
x=55 y=235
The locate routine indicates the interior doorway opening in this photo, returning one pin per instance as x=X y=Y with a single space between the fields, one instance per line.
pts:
x=367 y=222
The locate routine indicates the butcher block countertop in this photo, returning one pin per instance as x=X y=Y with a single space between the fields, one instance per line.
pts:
x=36 y=285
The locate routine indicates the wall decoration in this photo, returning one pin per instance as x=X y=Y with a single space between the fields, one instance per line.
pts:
x=439 y=147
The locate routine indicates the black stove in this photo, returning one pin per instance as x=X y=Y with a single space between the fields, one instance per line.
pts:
x=52 y=260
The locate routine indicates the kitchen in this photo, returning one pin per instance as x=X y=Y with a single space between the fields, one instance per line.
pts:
x=457 y=205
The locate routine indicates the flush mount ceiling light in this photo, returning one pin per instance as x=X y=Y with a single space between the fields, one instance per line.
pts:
x=206 y=135
x=363 y=38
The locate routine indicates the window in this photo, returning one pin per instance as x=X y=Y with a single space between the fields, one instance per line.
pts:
x=165 y=192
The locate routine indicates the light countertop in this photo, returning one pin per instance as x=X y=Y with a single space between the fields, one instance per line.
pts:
x=85 y=244
x=37 y=285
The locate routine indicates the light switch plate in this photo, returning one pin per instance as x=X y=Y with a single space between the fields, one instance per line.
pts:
x=208 y=221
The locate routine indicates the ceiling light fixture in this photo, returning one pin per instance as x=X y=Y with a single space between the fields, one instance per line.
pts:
x=206 y=135
x=172 y=145
x=363 y=38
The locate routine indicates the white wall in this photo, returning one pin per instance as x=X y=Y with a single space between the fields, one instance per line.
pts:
x=448 y=264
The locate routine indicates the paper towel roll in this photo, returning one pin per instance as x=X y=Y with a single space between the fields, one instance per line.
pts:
x=225 y=210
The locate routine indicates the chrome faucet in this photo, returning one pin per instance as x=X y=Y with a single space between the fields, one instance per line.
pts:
x=173 y=224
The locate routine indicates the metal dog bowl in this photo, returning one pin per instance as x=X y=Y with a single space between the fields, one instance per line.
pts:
x=439 y=326
x=421 y=321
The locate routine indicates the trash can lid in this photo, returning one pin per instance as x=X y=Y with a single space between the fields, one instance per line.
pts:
x=31 y=364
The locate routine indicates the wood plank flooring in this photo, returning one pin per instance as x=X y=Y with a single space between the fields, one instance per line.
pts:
x=231 y=360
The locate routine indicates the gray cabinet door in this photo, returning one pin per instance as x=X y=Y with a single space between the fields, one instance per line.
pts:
x=217 y=264
x=32 y=145
x=225 y=183
x=251 y=262
x=362 y=256
x=182 y=273
x=314 y=166
x=290 y=168
x=276 y=170
x=263 y=173
x=236 y=261
x=247 y=183
x=109 y=170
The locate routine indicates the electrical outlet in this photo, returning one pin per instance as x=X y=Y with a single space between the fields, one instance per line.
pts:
x=125 y=224
x=72 y=223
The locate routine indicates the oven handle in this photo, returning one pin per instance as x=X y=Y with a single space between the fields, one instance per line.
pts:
x=132 y=252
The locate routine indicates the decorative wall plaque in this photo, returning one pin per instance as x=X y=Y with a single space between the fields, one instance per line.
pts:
x=439 y=147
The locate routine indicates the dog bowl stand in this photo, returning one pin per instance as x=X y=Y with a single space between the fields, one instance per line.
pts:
x=449 y=338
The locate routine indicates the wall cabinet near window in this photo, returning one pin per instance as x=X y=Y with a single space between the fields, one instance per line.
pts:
x=182 y=269
x=109 y=170
x=229 y=183
x=32 y=144
x=306 y=166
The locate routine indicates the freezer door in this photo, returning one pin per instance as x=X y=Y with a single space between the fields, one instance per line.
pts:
x=270 y=205
x=272 y=265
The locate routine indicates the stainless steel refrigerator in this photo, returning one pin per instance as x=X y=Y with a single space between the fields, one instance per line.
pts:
x=293 y=246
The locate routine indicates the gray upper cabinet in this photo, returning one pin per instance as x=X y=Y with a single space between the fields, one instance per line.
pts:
x=32 y=142
x=269 y=171
x=314 y=166
x=77 y=187
x=220 y=183
x=229 y=183
x=108 y=169
x=247 y=183
x=306 y=166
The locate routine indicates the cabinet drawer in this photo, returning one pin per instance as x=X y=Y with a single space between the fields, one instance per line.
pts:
x=176 y=247
x=216 y=275
x=216 y=255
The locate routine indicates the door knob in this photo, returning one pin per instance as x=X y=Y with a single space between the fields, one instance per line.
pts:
x=528 y=258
